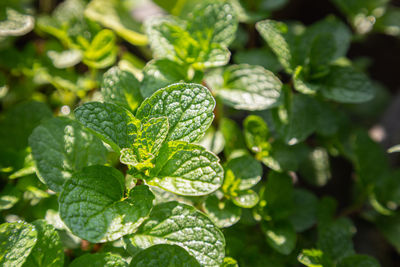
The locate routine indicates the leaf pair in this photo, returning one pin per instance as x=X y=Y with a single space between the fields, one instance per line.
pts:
x=156 y=142
x=310 y=57
x=184 y=48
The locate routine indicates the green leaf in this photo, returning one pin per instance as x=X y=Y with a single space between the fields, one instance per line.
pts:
x=48 y=250
x=233 y=136
x=182 y=225
x=103 y=214
x=16 y=243
x=255 y=132
x=229 y=262
x=60 y=147
x=346 y=85
x=15 y=23
x=222 y=213
x=281 y=236
x=276 y=34
x=334 y=239
x=277 y=196
x=188 y=107
x=389 y=23
x=121 y=88
x=248 y=87
x=246 y=169
x=245 y=199
x=263 y=57
x=99 y=259
x=186 y=169
x=66 y=58
x=281 y=157
x=296 y=122
x=314 y=258
x=113 y=15
x=359 y=261
x=304 y=214
x=159 y=73
x=214 y=21
x=315 y=167
x=389 y=227
x=101 y=52
x=9 y=196
x=113 y=124
x=163 y=255
x=213 y=141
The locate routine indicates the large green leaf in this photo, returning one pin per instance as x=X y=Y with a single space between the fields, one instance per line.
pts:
x=60 y=147
x=182 y=225
x=15 y=23
x=248 y=87
x=346 y=85
x=304 y=213
x=186 y=169
x=99 y=259
x=121 y=88
x=16 y=243
x=188 y=107
x=103 y=214
x=163 y=255
x=114 y=124
x=48 y=250
x=112 y=14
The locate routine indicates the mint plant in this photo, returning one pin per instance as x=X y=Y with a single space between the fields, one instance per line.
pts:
x=212 y=133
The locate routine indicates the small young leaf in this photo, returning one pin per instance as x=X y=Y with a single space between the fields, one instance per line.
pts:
x=99 y=259
x=16 y=243
x=245 y=199
x=275 y=33
x=281 y=236
x=113 y=124
x=255 y=132
x=249 y=87
x=163 y=255
x=229 y=262
x=60 y=147
x=245 y=169
x=188 y=107
x=48 y=250
x=222 y=213
x=186 y=169
x=102 y=52
x=314 y=258
x=182 y=225
x=102 y=215
x=121 y=88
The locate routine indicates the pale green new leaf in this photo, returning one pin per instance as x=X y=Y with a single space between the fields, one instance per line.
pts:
x=188 y=107
x=48 y=250
x=163 y=255
x=255 y=132
x=274 y=33
x=15 y=23
x=99 y=259
x=121 y=88
x=281 y=236
x=182 y=225
x=103 y=214
x=214 y=21
x=229 y=262
x=9 y=196
x=159 y=73
x=248 y=87
x=113 y=15
x=222 y=213
x=113 y=124
x=346 y=85
x=314 y=258
x=102 y=51
x=186 y=169
x=16 y=243
x=245 y=199
x=246 y=169
x=60 y=147
x=66 y=58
